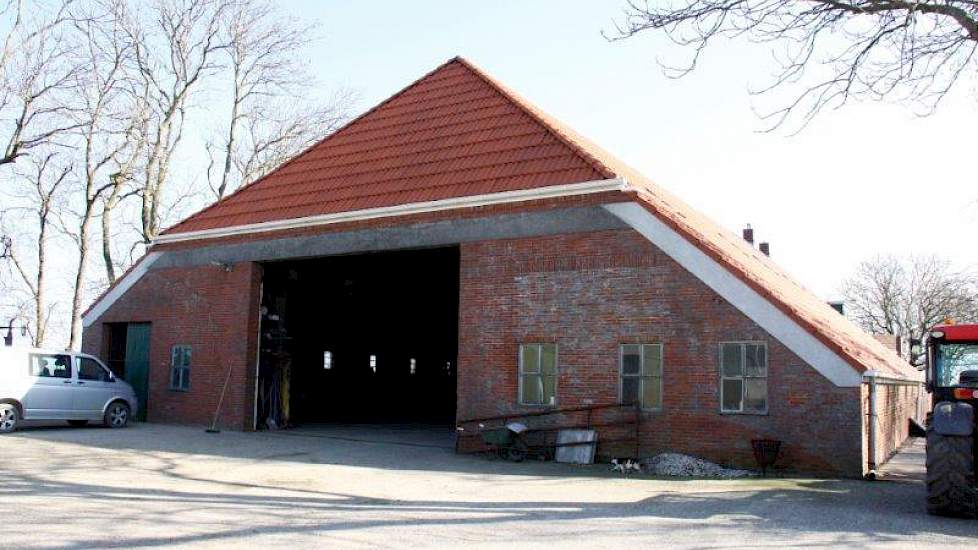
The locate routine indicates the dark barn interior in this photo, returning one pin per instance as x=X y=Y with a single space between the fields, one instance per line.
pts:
x=366 y=338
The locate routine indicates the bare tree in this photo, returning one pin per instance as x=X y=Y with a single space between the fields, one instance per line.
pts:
x=176 y=45
x=831 y=50
x=906 y=298
x=110 y=123
x=277 y=132
x=35 y=74
x=111 y=88
x=264 y=127
x=40 y=193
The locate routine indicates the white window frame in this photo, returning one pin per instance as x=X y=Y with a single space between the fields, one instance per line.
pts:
x=556 y=375
x=186 y=368
x=641 y=377
x=743 y=378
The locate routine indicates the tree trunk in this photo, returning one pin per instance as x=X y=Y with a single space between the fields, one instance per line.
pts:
x=76 y=299
x=40 y=309
x=107 y=209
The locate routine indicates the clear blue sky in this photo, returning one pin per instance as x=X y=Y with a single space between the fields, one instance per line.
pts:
x=869 y=178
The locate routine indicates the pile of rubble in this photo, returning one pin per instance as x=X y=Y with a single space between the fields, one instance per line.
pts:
x=680 y=465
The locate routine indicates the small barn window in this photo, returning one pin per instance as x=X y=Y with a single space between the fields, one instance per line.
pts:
x=180 y=357
x=538 y=374
x=641 y=375
x=743 y=377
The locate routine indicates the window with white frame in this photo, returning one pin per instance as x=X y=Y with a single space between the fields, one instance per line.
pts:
x=743 y=377
x=180 y=356
x=538 y=374
x=641 y=375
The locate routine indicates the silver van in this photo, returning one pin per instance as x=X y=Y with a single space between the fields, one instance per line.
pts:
x=60 y=385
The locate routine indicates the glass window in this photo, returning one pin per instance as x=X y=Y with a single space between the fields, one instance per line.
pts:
x=90 y=369
x=950 y=360
x=641 y=375
x=743 y=377
x=180 y=358
x=50 y=366
x=538 y=374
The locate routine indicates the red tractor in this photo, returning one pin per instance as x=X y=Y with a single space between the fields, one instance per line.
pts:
x=952 y=379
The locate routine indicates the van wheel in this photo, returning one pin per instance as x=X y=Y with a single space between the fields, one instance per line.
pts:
x=78 y=423
x=9 y=417
x=117 y=416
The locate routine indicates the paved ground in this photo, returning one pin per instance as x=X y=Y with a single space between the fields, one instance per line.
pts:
x=156 y=485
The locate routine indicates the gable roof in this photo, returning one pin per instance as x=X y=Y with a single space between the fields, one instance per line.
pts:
x=456 y=133
x=450 y=134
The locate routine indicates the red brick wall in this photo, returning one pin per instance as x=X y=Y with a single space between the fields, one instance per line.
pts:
x=591 y=292
x=586 y=292
x=213 y=311
x=896 y=404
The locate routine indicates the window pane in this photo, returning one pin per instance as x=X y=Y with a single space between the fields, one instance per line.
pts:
x=731 y=394
x=90 y=370
x=50 y=366
x=629 y=390
x=549 y=390
x=186 y=356
x=176 y=356
x=651 y=393
x=652 y=364
x=756 y=398
x=42 y=366
x=548 y=358
x=531 y=358
x=756 y=360
x=631 y=362
x=731 y=360
x=531 y=387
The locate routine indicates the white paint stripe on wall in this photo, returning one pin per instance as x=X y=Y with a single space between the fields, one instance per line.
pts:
x=504 y=197
x=739 y=294
x=128 y=280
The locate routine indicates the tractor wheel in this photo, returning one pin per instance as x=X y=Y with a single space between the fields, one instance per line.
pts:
x=950 y=475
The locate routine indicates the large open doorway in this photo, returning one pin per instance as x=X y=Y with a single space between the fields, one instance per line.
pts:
x=366 y=338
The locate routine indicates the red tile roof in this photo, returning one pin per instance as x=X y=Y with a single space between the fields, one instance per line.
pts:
x=450 y=134
x=457 y=132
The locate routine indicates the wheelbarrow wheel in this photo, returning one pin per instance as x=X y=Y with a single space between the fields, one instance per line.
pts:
x=517 y=452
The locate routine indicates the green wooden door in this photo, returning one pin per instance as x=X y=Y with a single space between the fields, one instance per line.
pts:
x=137 y=363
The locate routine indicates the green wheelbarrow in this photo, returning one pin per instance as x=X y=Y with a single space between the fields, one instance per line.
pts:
x=506 y=442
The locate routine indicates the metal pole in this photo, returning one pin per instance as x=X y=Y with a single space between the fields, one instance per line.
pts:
x=872 y=425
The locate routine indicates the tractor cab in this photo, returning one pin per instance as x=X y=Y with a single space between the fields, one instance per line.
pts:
x=952 y=363
x=952 y=380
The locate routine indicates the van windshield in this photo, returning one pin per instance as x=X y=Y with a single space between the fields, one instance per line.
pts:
x=951 y=359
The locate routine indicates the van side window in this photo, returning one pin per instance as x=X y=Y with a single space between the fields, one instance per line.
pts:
x=50 y=365
x=89 y=369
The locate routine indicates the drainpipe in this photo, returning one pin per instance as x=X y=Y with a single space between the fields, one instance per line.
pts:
x=871 y=467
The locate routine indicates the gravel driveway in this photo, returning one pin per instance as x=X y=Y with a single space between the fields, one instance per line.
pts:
x=153 y=485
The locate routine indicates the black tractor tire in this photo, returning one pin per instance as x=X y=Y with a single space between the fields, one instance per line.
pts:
x=951 y=475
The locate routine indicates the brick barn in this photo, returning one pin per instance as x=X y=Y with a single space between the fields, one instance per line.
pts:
x=455 y=253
